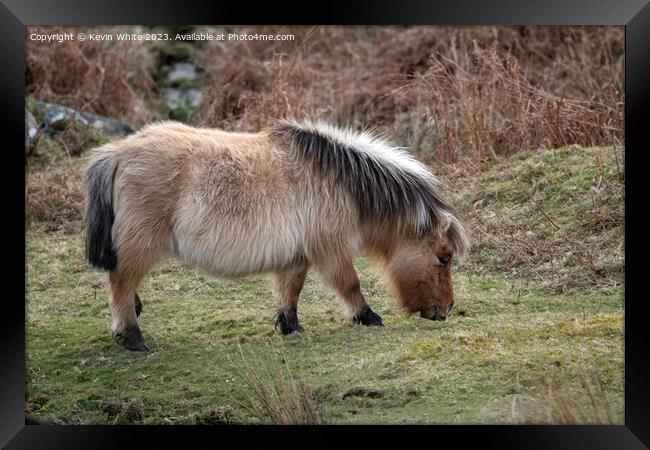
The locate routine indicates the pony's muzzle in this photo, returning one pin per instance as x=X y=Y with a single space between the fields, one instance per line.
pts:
x=435 y=314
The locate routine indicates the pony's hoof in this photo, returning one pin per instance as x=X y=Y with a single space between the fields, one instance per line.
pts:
x=368 y=317
x=139 y=347
x=298 y=330
x=132 y=340
x=288 y=323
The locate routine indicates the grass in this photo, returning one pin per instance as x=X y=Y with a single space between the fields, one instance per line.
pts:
x=552 y=216
x=526 y=313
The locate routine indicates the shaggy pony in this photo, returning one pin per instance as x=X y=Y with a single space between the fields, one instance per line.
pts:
x=295 y=195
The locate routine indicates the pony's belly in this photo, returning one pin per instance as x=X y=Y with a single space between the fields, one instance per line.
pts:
x=230 y=252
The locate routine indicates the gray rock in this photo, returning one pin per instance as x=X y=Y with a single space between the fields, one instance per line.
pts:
x=182 y=72
x=108 y=126
x=182 y=98
x=56 y=117
x=31 y=131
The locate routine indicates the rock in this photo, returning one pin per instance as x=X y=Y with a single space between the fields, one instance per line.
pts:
x=178 y=83
x=178 y=72
x=56 y=117
x=182 y=98
x=31 y=132
x=108 y=126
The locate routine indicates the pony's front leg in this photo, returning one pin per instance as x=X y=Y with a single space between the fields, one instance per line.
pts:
x=289 y=283
x=342 y=276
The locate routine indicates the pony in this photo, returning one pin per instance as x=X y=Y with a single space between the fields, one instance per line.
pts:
x=295 y=195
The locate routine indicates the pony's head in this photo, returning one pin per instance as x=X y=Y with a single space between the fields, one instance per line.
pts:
x=419 y=271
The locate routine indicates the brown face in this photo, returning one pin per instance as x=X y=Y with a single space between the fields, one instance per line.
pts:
x=420 y=274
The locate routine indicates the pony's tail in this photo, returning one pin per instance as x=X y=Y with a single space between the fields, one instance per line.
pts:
x=100 y=216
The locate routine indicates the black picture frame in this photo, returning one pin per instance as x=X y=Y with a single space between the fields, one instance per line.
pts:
x=633 y=14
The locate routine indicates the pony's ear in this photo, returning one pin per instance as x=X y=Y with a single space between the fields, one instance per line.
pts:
x=444 y=222
x=439 y=223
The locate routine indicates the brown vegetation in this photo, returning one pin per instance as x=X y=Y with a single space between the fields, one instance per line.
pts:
x=55 y=198
x=109 y=78
x=448 y=93
x=452 y=94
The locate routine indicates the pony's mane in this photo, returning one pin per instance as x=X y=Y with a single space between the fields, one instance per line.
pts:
x=386 y=182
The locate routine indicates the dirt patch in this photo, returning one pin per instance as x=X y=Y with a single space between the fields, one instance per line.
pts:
x=362 y=392
x=224 y=415
x=124 y=412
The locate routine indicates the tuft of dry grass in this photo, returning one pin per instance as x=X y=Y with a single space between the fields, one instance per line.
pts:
x=274 y=395
x=588 y=404
x=483 y=105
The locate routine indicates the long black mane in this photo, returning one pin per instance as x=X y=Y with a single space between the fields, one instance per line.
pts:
x=385 y=183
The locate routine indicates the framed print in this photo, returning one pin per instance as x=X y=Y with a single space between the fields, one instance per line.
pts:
x=237 y=217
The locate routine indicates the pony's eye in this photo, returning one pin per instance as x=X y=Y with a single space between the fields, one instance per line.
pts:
x=444 y=259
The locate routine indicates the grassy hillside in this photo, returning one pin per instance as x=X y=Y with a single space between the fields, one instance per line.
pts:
x=536 y=334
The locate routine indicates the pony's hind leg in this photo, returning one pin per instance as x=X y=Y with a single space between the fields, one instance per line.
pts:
x=124 y=309
x=289 y=283
x=135 y=257
x=342 y=276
